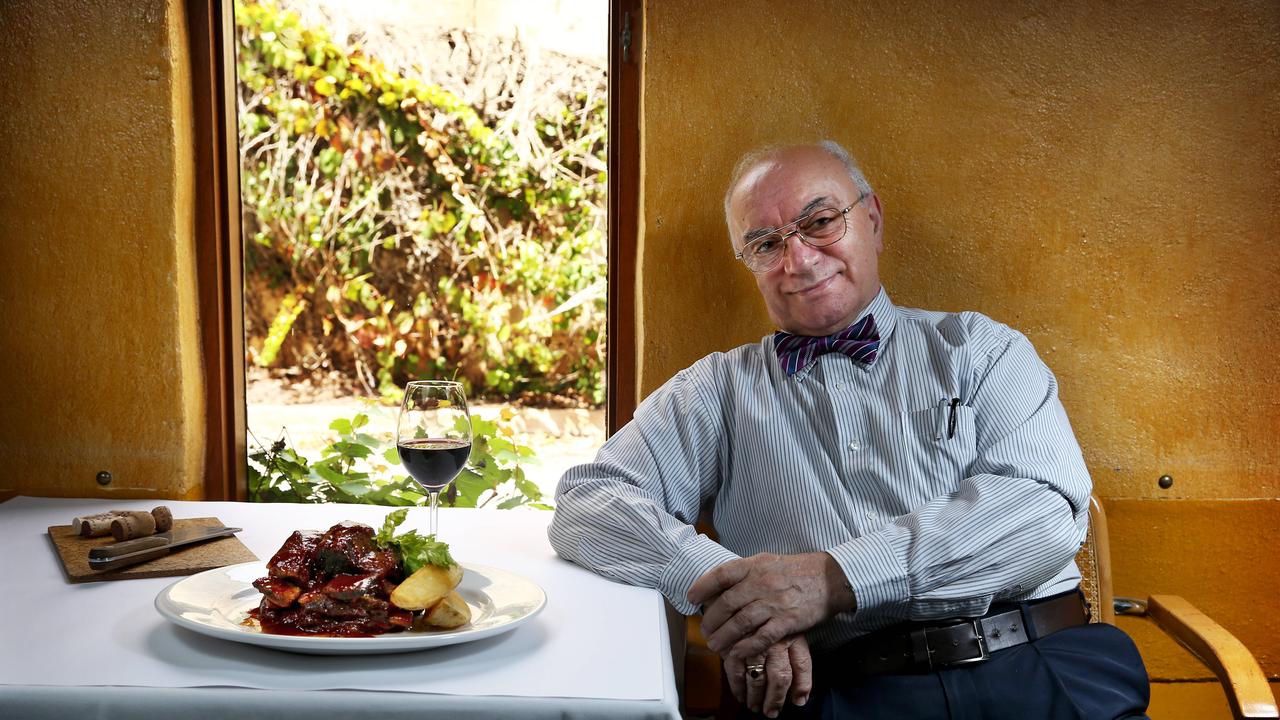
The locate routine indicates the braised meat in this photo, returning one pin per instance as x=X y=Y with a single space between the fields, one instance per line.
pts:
x=349 y=548
x=333 y=583
x=277 y=591
x=294 y=559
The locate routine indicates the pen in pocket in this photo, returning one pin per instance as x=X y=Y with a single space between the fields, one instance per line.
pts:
x=951 y=421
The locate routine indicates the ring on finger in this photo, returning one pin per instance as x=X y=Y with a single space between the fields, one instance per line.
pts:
x=755 y=672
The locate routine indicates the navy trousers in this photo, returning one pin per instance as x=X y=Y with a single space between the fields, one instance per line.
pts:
x=1088 y=672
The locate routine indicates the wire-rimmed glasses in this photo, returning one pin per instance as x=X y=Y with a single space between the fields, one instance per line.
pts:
x=820 y=228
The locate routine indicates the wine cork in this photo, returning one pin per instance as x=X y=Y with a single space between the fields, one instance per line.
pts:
x=95 y=525
x=163 y=518
x=134 y=524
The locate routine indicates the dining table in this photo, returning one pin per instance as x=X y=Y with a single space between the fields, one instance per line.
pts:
x=594 y=649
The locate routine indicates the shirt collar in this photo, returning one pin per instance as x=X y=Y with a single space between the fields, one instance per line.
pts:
x=885 y=313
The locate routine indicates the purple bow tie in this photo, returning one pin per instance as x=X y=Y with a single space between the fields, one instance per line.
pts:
x=859 y=341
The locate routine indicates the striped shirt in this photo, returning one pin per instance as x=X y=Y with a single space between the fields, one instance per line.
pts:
x=929 y=517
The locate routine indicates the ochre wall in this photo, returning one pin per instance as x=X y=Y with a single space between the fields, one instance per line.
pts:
x=1105 y=177
x=101 y=353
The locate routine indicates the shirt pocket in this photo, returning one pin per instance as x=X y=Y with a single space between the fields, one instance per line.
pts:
x=933 y=455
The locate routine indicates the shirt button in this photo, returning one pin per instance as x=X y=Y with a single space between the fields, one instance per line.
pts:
x=855 y=446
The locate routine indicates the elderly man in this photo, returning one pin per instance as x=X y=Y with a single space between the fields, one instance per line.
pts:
x=897 y=494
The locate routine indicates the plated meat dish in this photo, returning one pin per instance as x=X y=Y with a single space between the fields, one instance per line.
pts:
x=336 y=583
x=352 y=582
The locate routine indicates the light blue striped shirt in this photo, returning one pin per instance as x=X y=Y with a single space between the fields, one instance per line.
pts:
x=852 y=459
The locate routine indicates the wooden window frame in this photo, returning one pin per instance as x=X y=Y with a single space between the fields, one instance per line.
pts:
x=211 y=26
x=625 y=25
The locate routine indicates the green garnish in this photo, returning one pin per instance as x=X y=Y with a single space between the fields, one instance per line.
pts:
x=415 y=550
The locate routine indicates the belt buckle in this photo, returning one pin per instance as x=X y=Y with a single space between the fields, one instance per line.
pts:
x=983 y=653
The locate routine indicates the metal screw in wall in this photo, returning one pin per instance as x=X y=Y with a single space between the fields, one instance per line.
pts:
x=104 y=477
x=1166 y=481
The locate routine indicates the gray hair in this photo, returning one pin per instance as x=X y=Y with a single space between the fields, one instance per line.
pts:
x=754 y=157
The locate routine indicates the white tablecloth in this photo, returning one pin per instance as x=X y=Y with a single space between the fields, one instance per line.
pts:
x=598 y=649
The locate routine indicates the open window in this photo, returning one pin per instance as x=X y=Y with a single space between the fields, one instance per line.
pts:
x=218 y=214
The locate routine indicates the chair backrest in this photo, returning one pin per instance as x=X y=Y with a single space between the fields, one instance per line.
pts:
x=1094 y=560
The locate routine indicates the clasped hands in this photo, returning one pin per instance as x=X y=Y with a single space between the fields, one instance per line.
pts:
x=755 y=611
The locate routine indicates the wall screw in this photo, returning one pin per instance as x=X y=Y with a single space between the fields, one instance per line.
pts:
x=104 y=477
x=1166 y=481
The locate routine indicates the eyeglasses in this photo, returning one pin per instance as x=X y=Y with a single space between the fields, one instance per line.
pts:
x=820 y=228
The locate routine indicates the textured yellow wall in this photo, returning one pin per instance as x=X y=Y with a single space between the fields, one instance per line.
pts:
x=101 y=363
x=1103 y=176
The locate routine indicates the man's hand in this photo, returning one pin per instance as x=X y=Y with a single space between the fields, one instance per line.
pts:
x=751 y=603
x=788 y=670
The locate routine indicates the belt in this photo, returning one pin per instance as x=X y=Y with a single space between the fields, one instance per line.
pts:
x=917 y=649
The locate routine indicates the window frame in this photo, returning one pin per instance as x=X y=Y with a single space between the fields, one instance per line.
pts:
x=211 y=47
x=625 y=25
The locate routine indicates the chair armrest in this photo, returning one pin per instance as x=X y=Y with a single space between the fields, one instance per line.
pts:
x=1242 y=678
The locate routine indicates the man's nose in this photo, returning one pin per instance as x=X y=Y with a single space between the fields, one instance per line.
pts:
x=798 y=254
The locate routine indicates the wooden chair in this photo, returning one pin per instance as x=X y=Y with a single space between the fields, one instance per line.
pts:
x=1246 y=687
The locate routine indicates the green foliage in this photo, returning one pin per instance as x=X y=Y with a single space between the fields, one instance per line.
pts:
x=356 y=468
x=392 y=232
x=415 y=550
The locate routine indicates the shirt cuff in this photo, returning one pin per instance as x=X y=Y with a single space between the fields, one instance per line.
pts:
x=877 y=577
x=694 y=560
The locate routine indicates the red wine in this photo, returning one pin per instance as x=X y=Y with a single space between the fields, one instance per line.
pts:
x=434 y=462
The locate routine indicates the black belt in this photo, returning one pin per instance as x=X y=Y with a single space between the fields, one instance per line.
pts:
x=915 y=649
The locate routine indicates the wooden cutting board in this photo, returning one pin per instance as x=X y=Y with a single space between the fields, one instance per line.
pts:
x=74 y=552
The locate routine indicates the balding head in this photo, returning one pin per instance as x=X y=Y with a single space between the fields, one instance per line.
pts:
x=767 y=152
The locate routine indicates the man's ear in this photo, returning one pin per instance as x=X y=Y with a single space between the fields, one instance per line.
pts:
x=876 y=215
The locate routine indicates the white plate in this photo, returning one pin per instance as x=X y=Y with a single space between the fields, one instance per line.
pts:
x=217 y=602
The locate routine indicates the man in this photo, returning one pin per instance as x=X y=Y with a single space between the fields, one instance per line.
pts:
x=878 y=477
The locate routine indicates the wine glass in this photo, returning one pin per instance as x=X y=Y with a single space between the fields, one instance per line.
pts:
x=433 y=435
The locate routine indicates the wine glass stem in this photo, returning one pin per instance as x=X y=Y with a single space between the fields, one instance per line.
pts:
x=435 y=509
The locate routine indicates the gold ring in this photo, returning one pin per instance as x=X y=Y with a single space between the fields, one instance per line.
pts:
x=755 y=672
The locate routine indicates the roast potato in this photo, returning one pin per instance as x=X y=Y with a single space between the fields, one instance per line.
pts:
x=426 y=587
x=451 y=612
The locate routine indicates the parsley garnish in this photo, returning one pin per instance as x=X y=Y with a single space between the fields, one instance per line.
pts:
x=415 y=550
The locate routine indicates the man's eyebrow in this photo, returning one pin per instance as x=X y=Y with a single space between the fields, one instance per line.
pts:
x=814 y=204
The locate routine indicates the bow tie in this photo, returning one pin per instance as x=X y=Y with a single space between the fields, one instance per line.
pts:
x=859 y=341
